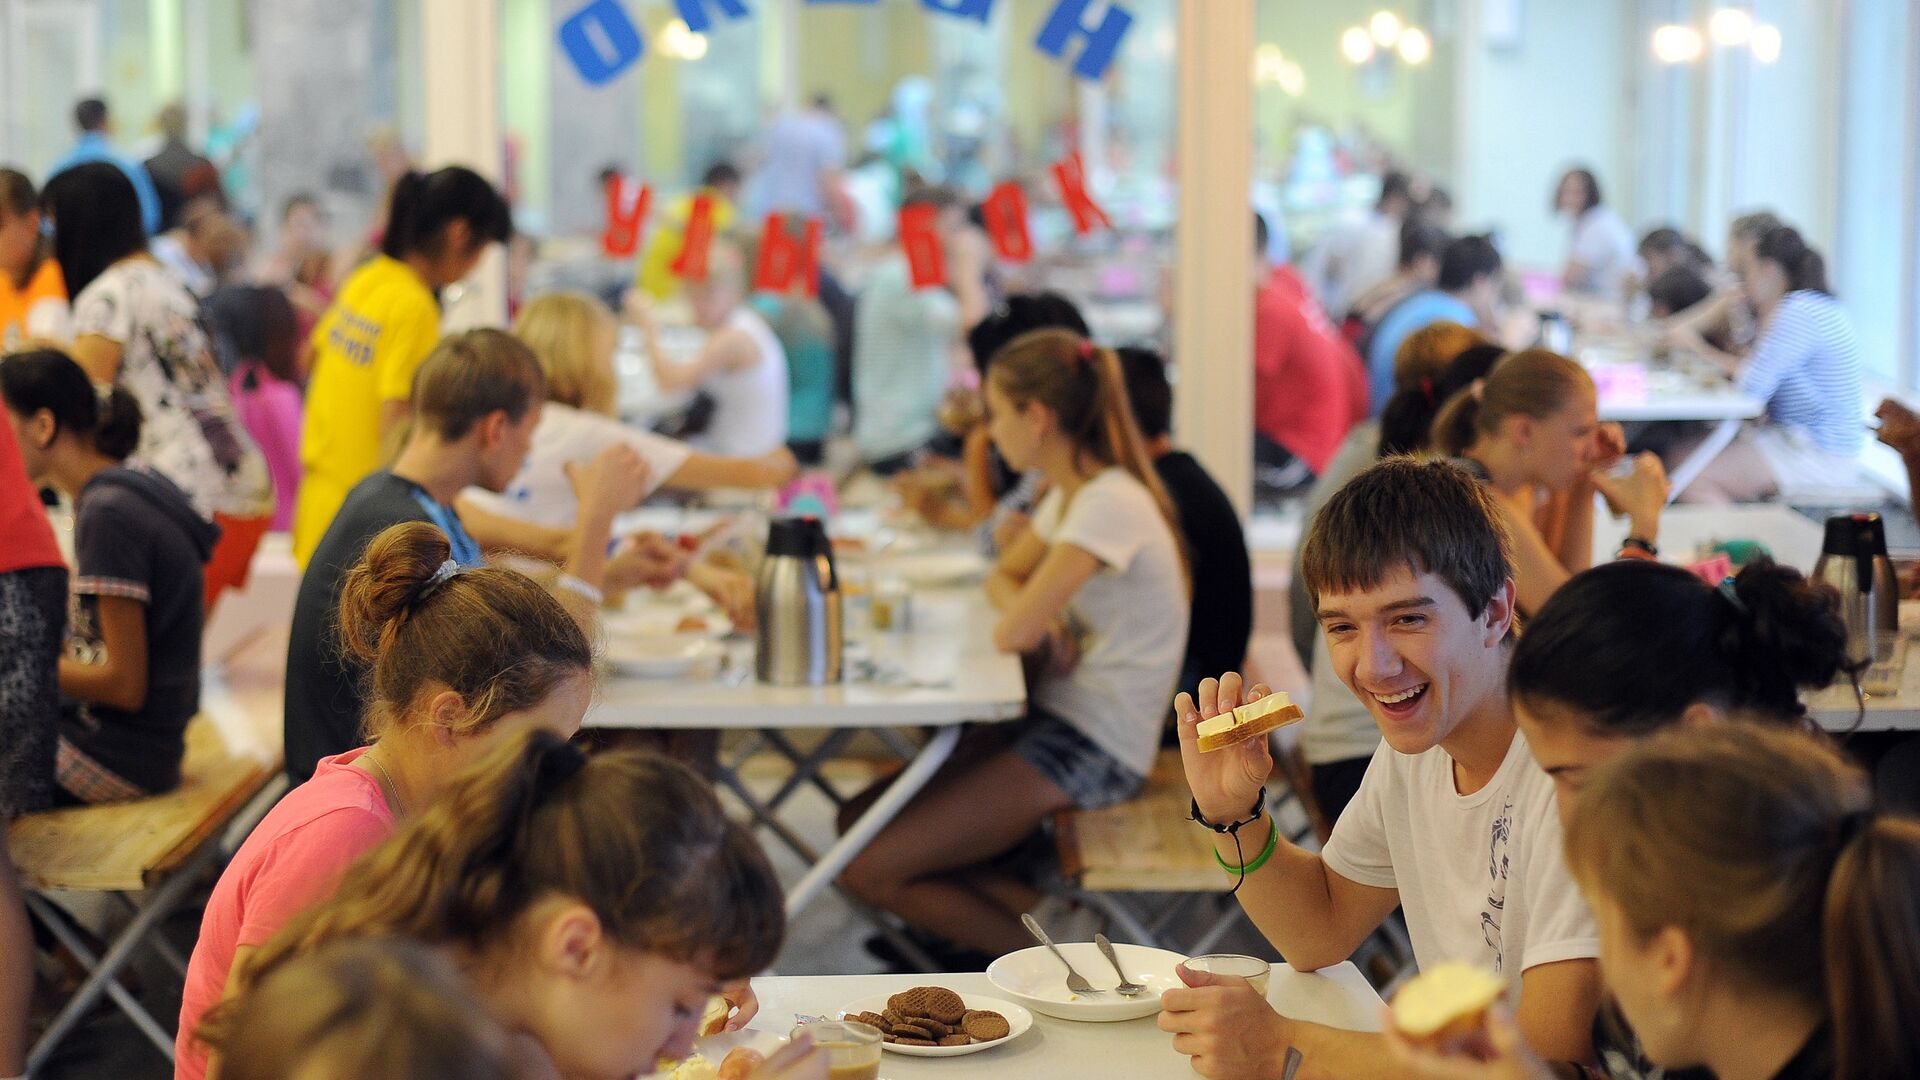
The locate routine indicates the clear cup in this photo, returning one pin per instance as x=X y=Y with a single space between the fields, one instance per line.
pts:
x=853 y=1048
x=1251 y=968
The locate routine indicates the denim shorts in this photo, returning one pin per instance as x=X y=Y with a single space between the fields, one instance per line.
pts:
x=1071 y=762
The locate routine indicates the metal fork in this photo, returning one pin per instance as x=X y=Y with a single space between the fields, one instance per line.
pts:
x=1075 y=984
x=1127 y=987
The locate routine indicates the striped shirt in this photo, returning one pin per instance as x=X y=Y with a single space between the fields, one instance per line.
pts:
x=1806 y=366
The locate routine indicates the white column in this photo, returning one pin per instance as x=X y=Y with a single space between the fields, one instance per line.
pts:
x=461 y=46
x=1213 y=268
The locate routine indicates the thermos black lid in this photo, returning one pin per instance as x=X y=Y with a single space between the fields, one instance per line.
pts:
x=802 y=536
x=1855 y=534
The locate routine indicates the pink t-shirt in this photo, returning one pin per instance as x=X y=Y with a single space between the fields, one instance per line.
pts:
x=293 y=859
x=270 y=410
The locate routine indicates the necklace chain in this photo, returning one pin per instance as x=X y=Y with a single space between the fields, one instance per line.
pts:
x=399 y=809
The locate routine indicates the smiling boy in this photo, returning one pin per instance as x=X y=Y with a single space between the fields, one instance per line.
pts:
x=1410 y=574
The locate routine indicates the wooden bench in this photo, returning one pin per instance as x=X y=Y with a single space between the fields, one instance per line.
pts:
x=1144 y=864
x=159 y=847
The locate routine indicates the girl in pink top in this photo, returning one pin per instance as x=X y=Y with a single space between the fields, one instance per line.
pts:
x=594 y=905
x=462 y=660
x=257 y=332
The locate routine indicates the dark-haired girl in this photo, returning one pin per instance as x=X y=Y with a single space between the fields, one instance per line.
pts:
x=386 y=319
x=132 y=663
x=461 y=661
x=33 y=298
x=136 y=327
x=1805 y=366
x=595 y=906
x=1757 y=914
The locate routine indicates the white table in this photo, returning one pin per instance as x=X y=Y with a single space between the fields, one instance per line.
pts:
x=957 y=677
x=1685 y=393
x=1058 y=1049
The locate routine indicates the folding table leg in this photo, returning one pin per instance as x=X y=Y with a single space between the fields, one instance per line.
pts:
x=102 y=973
x=1696 y=463
x=764 y=816
x=157 y=941
x=891 y=801
x=806 y=767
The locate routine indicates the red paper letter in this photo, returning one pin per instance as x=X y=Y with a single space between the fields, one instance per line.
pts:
x=1073 y=191
x=626 y=213
x=920 y=239
x=783 y=257
x=691 y=265
x=1006 y=214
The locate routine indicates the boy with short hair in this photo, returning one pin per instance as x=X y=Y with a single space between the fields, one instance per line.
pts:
x=1411 y=579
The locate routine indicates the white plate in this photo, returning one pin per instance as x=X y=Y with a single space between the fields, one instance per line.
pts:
x=1034 y=977
x=661 y=656
x=1018 y=1019
x=934 y=569
x=715 y=1048
x=661 y=621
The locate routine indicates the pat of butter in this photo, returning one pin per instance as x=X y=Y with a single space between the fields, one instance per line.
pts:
x=1435 y=998
x=1245 y=714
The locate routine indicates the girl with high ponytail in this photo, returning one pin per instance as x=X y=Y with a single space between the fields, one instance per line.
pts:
x=460 y=661
x=1530 y=430
x=594 y=904
x=1095 y=595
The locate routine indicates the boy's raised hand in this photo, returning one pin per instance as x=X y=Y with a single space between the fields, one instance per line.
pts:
x=1225 y=782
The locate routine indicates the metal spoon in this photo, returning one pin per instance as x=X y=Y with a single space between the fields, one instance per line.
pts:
x=1127 y=987
x=1292 y=1065
x=1075 y=984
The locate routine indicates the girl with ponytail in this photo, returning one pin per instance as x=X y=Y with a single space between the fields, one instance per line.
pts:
x=130 y=668
x=594 y=904
x=386 y=319
x=1531 y=432
x=1806 y=366
x=461 y=661
x=1095 y=593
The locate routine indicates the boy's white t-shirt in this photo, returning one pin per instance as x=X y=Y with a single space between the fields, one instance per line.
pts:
x=1482 y=877
x=541 y=492
x=1133 y=615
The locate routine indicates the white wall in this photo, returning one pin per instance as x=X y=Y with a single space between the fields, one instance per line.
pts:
x=1557 y=96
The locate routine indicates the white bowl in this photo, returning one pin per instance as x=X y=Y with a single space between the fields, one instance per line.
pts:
x=934 y=569
x=1018 y=1019
x=661 y=656
x=1036 y=978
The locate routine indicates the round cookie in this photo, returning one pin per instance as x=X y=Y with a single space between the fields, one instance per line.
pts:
x=936 y=1028
x=912 y=1031
x=961 y=1039
x=987 y=1026
x=944 y=1005
x=871 y=1019
x=916 y=1042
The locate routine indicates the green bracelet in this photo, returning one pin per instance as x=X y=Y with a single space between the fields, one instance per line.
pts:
x=1260 y=860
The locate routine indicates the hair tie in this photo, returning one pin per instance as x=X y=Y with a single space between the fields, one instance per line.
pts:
x=1478 y=388
x=446 y=572
x=1085 y=351
x=1732 y=596
x=1426 y=390
x=558 y=763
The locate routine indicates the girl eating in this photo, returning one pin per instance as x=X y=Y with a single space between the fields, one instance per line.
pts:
x=595 y=905
x=1095 y=593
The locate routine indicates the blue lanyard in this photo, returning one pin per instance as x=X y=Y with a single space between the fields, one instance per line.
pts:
x=465 y=551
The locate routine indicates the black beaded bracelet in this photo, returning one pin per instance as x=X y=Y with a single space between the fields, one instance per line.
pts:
x=1641 y=544
x=1253 y=815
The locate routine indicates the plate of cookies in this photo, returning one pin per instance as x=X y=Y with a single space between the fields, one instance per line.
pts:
x=933 y=1021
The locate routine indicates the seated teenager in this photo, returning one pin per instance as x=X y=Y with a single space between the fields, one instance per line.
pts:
x=1465 y=292
x=1530 y=431
x=1339 y=736
x=1757 y=915
x=1409 y=570
x=1422 y=244
x=131 y=670
x=477 y=400
x=373 y=1009
x=1805 y=365
x=1095 y=592
x=458 y=661
x=1676 y=290
x=255 y=334
x=595 y=905
x=1220 y=619
x=1727 y=316
x=1309 y=387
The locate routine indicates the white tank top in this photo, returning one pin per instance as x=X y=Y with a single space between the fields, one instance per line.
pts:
x=750 y=403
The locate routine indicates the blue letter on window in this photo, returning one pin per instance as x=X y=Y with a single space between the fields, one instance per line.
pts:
x=1102 y=41
x=695 y=13
x=966 y=9
x=576 y=39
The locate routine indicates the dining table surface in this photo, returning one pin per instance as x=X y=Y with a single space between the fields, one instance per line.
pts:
x=1055 y=1049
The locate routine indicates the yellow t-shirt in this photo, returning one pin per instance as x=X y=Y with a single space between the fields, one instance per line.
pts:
x=366 y=348
x=37 y=311
x=669 y=236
